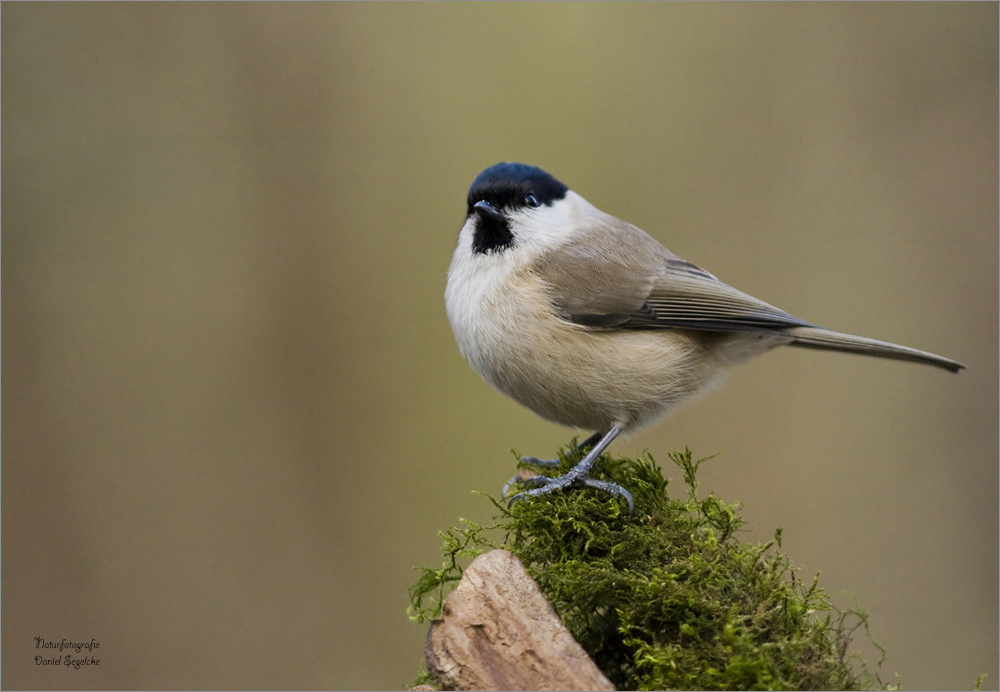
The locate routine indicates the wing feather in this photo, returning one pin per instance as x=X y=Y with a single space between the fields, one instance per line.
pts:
x=617 y=276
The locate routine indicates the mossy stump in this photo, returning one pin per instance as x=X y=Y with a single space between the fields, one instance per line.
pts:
x=669 y=597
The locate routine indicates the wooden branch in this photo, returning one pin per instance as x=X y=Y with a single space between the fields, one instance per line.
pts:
x=497 y=632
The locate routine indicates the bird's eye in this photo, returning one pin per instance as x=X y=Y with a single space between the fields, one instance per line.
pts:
x=530 y=200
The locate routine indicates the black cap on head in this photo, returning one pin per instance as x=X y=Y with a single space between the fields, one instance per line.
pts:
x=515 y=185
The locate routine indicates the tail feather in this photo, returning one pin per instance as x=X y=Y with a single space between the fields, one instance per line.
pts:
x=814 y=337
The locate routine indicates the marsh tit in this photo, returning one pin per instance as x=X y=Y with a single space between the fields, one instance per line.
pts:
x=590 y=322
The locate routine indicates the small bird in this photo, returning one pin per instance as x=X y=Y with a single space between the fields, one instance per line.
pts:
x=591 y=323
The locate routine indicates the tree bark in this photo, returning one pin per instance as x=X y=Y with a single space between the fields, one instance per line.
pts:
x=497 y=632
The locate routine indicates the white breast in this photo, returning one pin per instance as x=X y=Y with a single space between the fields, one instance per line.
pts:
x=481 y=299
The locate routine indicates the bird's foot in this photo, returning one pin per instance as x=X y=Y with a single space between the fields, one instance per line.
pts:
x=577 y=477
x=542 y=485
x=534 y=461
x=545 y=463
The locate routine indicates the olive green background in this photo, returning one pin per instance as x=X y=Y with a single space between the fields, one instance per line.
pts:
x=234 y=416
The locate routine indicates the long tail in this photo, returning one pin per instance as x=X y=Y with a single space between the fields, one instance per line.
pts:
x=814 y=337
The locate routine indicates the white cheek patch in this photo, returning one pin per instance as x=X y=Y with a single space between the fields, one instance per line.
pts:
x=549 y=226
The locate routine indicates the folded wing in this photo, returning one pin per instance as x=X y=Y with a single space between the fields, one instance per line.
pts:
x=617 y=277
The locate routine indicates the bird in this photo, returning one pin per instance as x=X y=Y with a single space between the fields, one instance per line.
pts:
x=591 y=323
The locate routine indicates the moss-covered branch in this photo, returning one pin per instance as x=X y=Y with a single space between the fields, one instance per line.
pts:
x=668 y=598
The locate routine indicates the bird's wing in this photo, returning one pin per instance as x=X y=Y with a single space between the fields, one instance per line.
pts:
x=603 y=277
x=687 y=296
x=617 y=276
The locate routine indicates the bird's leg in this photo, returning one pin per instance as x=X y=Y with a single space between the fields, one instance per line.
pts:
x=548 y=463
x=552 y=463
x=578 y=476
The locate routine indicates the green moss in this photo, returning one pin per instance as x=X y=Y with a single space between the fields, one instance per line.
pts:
x=423 y=678
x=668 y=598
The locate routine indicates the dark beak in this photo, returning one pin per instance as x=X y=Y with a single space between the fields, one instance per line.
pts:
x=488 y=211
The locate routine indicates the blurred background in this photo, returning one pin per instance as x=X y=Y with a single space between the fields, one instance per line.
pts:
x=234 y=415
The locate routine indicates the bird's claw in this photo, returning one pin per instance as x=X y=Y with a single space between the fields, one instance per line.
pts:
x=577 y=477
x=531 y=481
x=612 y=489
x=547 y=485
x=535 y=461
